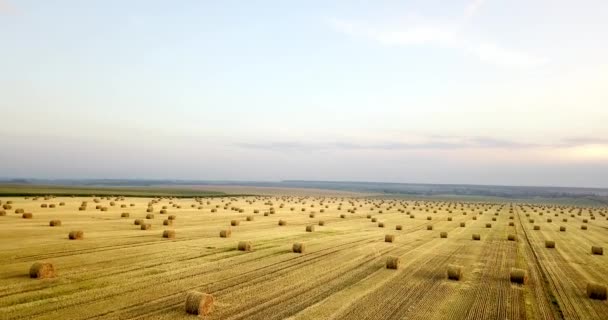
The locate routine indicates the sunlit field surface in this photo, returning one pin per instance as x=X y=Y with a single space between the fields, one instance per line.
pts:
x=119 y=271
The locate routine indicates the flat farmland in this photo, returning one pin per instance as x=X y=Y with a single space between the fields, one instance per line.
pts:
x=120 y=271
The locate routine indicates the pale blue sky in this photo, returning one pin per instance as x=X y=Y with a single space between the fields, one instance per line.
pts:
x=463 y=91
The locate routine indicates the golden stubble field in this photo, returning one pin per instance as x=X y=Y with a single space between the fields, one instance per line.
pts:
x=119 y=271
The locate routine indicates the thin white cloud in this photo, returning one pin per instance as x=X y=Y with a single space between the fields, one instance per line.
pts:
x=473 y=7
x=419 y=31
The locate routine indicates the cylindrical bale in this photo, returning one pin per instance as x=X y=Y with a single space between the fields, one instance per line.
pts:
x=583 y=227
x=511 y=237
x=170 y=234
x=398 y=227
x=449 y=218
x=282 y=222
x=488 y=225
x=429 y=227
x=374 y=219
x=518 y=276
x=549 y=244
x=27 y=215
x=55 y=223
x=76 y=235
x=42 y=270
x=145 y=226
x=537 y=227
x=138 y=222
x=443 y=234
x=321 y=223
x=149 y=216
x=380 y=224
x=389 y=238
x=225 y=233
x=597 y=250
x=124 y=215
x=476 y=236
x=199 y=303
x=562 y=228
x=392 y=262
x=596 y=291
x=235 y=223
x=511 y=224
x=454 y=272
x=310 y=228
x=167 y=222
x=244 y=246
x=298 y=247
x=462 y=224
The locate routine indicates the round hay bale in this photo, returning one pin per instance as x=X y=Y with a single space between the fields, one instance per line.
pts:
x=282 y=222
x=321 y=223
x=430 y=227
x=312 y=215
x=429 y=218
x=225 y=233
x=549 y=220
x=199 y=303
x=549 y=244
x=124 y=215
x=235 y=223
x=562 y=228
x=537 y=227
x=596 y=291
x=55 y=223
x=597 y=250
x=511 y=237
x=374 y=219
x=82 y=208
x=474 y=218
x=389 y=238
x=585 y=221
x=145 y=226
x=583 y=227
x=44 y=205
x=27 y=215
x=163 y=211
x=531 y=220
x=138 y=222
x=462 y=224
x=369 y=216
x=488 y=225
x=76 y=235
x=343 y=216
x=310 y=228
x=19 y=210
x=511 y=224
x=167 y=222
x=244 y=246
x=443 y=234
x=392 y=262
x=2 y=213
x=298 y=247
x=518 y=276
x=42 y=270
x=454 y=272
x=149 y=216
x=493 y=218
x=476 y=236
x=398 y=227
x=170 y=234
x=564 y=220
x=171 y=217
x=412 y=216
x=449 y=218
x=380 y=224
x=104 y=208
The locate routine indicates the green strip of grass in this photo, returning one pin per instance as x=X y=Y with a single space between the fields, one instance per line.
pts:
x=18 y=190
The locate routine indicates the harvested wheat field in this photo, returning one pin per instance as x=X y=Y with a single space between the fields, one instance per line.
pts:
x=458 y=268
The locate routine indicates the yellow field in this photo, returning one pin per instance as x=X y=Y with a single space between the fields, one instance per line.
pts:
x=119 y=271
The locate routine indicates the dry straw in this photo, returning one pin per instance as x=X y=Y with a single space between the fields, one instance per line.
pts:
x=244 y=246
x=310 y=228
x=380 y=224
x=124 y=215
x=518 y=276
x=234 y=223
x=167 y=222
x=298 y=247
x=76 y=235
x=145 y=226
x=389 y=238
x=138 y=222
x=27 y=216
x=392 y=262
x=225 y=233
x=282 y=222
x=596 y=291
x=149 y=216
x=170 y=234
x=55 y=223
x=462 y=224
x=199 y=303
x=321 y=223
x=42 y=270
x=454 y=272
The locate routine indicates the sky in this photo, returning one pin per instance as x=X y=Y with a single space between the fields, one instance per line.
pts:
x=502 y=92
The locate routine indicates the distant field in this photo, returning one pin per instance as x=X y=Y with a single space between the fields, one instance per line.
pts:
x=119 y=271
x=32 y=190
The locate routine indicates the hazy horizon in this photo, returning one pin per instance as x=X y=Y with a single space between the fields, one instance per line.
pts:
x=481 y=92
